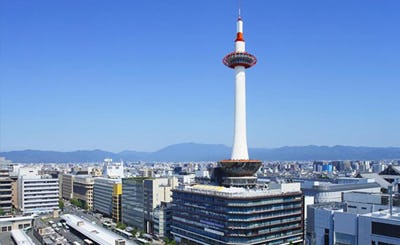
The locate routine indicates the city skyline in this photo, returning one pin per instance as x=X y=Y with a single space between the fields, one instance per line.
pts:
x=143 y=75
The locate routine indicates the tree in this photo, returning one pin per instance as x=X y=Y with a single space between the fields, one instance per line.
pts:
x=77 y=203
x=169 y=241
x=121 y=225
x=134 y=232
x=61 y=204
x=85 y=206
x=2 y=212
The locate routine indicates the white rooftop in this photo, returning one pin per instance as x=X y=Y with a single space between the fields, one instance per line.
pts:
x=93 y=232
x=240 y=191
x=384 y=214
x=21 y=238
x=17 y=218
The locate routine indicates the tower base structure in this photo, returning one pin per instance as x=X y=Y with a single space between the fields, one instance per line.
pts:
x=247 y=181
x=239 y=173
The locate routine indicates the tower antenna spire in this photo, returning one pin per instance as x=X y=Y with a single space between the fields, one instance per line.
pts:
x=239 y=9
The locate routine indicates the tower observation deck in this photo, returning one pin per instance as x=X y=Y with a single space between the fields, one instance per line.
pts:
x=239 y=170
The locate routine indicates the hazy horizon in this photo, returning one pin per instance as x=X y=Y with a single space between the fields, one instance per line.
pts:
x=197 y=143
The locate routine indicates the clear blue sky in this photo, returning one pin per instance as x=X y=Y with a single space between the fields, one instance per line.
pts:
x=140 y=75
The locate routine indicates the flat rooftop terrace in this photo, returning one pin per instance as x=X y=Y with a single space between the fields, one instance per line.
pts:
x=237 y=192
x=385 y=214
x=93 y=232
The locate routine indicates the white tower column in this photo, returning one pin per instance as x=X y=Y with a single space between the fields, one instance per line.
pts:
x=239 y=150
x=240 y=60
x=239 y=170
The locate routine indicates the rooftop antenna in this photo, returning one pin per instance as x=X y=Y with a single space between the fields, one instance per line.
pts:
x=239 y=8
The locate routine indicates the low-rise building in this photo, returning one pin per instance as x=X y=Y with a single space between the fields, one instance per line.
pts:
x=363 y=203
x=20 y=237
x=48 y=236
x=379 y=228
x=15 y=223
x=320 y=225
x=162 y=220
x=95 y=233
x=332 y=192
x=330 y=223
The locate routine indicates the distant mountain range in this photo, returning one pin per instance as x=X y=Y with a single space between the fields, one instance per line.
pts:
x=208 y=152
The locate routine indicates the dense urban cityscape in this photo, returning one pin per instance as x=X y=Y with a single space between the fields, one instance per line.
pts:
x=318 y=202
x=232 y=201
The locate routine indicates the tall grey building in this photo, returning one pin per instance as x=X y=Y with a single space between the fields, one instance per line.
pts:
x=104 y=191
x=132 y=202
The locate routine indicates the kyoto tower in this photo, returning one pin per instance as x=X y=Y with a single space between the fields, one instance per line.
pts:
x=239 y=170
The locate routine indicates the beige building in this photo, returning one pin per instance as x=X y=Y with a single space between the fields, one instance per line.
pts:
x=156 y=191
x=140 y=196
x=15 y=223
x=83 y=189
x=14 y=191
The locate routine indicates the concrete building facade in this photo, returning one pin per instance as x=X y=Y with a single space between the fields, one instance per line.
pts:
x=83 y=189
x=15 y=223
x=106 y=195
x=363 y=203
x=379 y=228
x=67 y=186
x=140 y=196
x=37 y=194
x=5 y=188
x=332 y=192
x=330 y=223
x=162 y=220
x=156 y=191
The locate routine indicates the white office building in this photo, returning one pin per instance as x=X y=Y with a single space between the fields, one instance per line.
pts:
x=113 y=169
x=37 y=194
x=320 y=225
x=363 y=203
x=379 y=228
x=332 y=192
x=330 y=223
